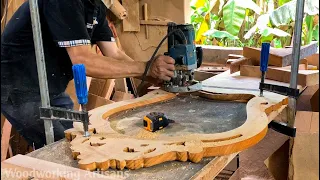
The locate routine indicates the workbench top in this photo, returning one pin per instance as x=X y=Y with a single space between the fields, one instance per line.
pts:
x=60 y=153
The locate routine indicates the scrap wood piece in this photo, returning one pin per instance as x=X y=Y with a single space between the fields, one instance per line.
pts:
x=121 y=96
x=119 y=151
x=102 y=87
x=280 y=57
x=25 y=167
x=303 y=65
x=145 y=15
x=313 y=60
x=5 y=138
x=236 y=63
x=121 y=85
x=132 y=22
x=234 y=56
x=305 y=77
x=95 y=101
x=116 y=8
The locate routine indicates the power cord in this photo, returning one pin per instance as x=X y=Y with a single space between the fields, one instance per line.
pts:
x=149 y=63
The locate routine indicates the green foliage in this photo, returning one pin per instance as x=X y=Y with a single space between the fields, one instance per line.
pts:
x=281 y=2
x=244 y=23
x=284 y=14
x=316 y=33
x=233 y=17
x=220 y=34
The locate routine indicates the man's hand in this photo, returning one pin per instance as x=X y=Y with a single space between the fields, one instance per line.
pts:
x=162 y=68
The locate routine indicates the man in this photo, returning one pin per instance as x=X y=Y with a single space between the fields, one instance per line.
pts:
x=69 y=27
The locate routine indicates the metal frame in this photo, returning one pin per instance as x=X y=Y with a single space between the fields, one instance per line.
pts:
x=41 y=66
x=291 y=113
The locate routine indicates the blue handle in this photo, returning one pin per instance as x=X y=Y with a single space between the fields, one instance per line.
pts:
x=264 y=58
x=80 y=82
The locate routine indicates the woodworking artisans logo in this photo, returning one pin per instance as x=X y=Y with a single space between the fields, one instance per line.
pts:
x=114 y=174
x=65 y=174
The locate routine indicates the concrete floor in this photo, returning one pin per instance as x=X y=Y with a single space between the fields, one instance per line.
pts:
x=252 y=165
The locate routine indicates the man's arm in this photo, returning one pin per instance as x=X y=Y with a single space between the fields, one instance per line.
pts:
x=109 y=68
x=110 y=49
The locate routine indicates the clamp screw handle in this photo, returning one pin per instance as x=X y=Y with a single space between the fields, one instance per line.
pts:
x=264 y=57
x=80 y=82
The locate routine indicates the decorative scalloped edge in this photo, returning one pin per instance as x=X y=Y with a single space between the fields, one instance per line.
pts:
x=106 y=148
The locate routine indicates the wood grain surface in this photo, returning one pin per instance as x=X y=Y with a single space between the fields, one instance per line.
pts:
x=107 y=148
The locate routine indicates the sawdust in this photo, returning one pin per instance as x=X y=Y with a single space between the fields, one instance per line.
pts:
x=144 y=134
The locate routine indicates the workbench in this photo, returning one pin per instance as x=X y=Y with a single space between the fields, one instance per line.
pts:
x=208 y=168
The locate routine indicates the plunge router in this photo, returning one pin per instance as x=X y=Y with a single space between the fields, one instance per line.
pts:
x=188 y=57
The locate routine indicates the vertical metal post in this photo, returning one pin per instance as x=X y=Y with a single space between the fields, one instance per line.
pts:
x=291 y=112
x=41 y=66
x=295 y=60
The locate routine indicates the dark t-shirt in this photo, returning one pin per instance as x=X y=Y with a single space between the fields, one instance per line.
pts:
x=64 y=23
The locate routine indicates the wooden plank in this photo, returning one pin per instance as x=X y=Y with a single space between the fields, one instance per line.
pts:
x=95 y=101
x=132 y=22
x=305 y=77
x=5 y=139
x=279 y=57
x=121 y=96
x=21 y=163
x=217 y=54
x=153 y=22
x=14 y=172
x=214 y=167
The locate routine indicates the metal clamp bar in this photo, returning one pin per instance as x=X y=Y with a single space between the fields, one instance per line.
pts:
x=41 y=66
x=62 y=114
x=283 y=128
x=286 y=91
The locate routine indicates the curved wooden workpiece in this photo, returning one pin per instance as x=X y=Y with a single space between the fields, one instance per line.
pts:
x=106 y=148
